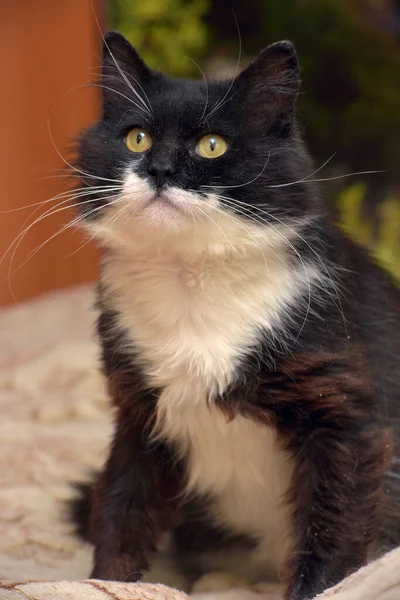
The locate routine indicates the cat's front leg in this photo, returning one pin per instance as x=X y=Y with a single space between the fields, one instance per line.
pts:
x=134 y=500
x=327 y=420
x=335 y=496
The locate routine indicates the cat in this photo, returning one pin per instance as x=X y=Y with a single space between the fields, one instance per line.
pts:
x=251 y=350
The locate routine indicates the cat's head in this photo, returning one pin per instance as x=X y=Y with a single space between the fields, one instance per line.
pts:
x=182 y=158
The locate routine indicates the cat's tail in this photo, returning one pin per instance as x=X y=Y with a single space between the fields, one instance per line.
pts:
x=79 y=509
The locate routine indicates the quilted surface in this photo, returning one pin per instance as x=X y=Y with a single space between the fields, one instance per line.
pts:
x=55 y=427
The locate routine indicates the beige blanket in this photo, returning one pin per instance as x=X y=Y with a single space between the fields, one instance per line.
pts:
x=54 y=428
x=378 y=581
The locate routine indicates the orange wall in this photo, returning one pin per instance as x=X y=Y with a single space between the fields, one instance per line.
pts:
x=47 y=48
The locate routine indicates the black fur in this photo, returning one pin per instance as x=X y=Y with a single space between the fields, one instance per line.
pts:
x=80 y=508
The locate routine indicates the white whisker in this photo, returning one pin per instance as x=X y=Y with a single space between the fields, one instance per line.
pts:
x=286 y=241
x=74 y=168
x=147 y=105
x=226 y=96
x=248 y=231
x=103 y=227
x=72 y=223
x=336 y=301
x=355 y=173
x=49 y=212
x=105 y=87
x=69 y=195
x=218 y=227
x=206 y=86
x=240 y=184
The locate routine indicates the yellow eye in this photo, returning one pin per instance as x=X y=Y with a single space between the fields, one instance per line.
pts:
x=211 y=146
x=138 y=140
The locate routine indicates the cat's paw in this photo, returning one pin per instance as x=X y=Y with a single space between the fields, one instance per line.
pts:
x=163 y=570
x=272 y=591
x=224 y=586
x=217 y=582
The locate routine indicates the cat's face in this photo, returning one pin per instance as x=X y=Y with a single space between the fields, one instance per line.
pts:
x=180 y=157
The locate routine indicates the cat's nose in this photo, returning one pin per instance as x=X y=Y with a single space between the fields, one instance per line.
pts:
x=160 y=172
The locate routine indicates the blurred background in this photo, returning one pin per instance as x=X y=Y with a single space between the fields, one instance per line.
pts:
x=349 y=52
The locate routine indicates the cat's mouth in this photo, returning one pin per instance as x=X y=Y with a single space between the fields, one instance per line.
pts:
x=161 y=206
x=145 y=200
x=168 y=201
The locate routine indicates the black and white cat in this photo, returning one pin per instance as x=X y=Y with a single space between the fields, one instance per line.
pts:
x=252 y=352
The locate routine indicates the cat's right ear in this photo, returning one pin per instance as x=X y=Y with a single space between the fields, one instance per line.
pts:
x=124 y=73
x=269 y=86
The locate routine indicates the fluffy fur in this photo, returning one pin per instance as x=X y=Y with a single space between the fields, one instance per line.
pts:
x=235 y=338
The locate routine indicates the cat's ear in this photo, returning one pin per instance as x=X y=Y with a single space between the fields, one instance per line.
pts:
x=122 y=70
x=269 y=86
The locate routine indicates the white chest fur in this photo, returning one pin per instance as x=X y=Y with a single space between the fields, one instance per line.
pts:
x=192 y=321
x=240 y=467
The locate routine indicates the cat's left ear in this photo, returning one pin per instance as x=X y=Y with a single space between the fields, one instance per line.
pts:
x=268 y=88
x=124 y=73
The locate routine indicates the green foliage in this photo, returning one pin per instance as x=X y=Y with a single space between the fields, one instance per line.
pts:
x=384 y=240
x=351 y=78
x=169 y=34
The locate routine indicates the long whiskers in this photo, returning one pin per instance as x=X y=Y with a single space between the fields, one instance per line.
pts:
x=286 y=241
x=225 y=98
x=114 y=199
x=307 y=178
x=74 y=168
x=68 y=197
x=146 y=103
x=333 y=178
x=71 y=194
x=248 y=231
x=103 y=227
x=55 y=209
x=240 y=184
x=110 y=89
x=218 y=227
x=250 y=208
x=262 y=171
x=206 y=86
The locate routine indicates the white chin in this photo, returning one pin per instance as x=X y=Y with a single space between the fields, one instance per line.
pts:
x=162 y=213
